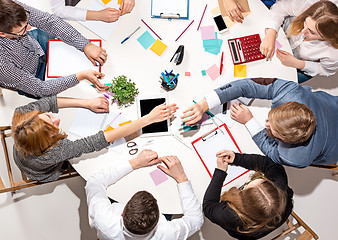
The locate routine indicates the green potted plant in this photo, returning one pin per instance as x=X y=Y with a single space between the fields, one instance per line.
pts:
x=124 y=90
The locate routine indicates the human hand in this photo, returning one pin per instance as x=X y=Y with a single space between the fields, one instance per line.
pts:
x=146 y=158
x=92 y=76
x=162 y=112
x=174 y=168
x=94 y=52
x=127 y=6
x=267 y=46
x=224 y=157
x=289 y=60
x=240 y=113
x=194 y=113
x=98 y=105
x=109 y=15
x=234 y=10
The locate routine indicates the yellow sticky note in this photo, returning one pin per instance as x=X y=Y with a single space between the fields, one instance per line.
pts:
x=109 y=128
x=119 y=2
x=105 y=1
x=239 y=70
x=158 y=47
x=124 y=123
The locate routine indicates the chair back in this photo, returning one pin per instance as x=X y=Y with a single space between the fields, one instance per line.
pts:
x=24 y=182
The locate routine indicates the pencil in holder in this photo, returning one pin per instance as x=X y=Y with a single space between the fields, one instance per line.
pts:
x=169 y=83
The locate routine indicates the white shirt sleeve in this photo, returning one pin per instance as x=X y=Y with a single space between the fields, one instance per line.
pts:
x=96 y=190
x=326 y=67
x=212 y=99
x=253 y=126
x=60 y=9
x=192 y=219
x=284 y=8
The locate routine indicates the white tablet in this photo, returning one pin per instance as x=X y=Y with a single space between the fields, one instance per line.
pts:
x=144 y=106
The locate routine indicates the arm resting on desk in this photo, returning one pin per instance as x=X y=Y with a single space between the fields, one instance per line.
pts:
x=192 y=220
x=96 y=191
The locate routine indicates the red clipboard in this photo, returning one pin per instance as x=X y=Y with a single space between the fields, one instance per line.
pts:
x=209 y=144
x=52 y=62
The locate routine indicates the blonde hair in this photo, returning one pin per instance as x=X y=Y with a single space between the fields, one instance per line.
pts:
x=293 y=121
x=32 y=135
x=325 y=13
x=260 y=208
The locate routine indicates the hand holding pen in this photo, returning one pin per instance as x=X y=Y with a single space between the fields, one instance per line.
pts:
x=194 y=113
x=92 y=76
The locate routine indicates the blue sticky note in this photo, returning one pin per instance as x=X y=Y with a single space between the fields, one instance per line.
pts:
x=146 y=40
x=203 y=73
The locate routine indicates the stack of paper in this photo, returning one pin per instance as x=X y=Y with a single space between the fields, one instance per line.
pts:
x=211 y=43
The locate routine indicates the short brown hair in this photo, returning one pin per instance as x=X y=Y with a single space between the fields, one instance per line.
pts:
x=32 y=135
x=141 y=213
x=11 y=15
x=325 y=13
x=260 y=208
x=293 y=121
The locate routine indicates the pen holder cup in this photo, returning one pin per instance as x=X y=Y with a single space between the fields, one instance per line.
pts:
x=169 y=86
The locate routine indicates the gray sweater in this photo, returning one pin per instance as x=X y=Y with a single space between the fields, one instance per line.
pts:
x=48 y=167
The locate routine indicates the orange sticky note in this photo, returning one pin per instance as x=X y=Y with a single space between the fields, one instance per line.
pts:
x=239 y=70
x=109 y=128
x=158 y=47
x=105 y=1
x=119 y=2
x=124 y=123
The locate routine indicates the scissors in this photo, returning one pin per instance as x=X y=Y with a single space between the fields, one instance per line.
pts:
x=133 y=147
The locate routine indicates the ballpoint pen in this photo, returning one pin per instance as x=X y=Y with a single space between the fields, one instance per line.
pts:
x=130 y=35
x=212 y=118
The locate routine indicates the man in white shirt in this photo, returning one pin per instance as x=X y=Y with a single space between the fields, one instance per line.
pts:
x=61 y=9
x=140 y=217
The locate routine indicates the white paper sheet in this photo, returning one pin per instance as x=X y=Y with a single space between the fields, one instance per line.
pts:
x=86 y=123
x=101 y=29
x=215 y=142
x=64 y=59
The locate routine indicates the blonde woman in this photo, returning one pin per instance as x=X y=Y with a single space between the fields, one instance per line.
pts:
x=312 y=30
x=41 y=150
x=255 y=209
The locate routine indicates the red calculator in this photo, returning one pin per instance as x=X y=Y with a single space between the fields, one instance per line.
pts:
x=245 y=49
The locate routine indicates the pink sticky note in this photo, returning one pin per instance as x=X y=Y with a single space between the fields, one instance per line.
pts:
x=208 y=32
x=213 y=72
x=158 y=176
x=278 y=45
x=187 y=74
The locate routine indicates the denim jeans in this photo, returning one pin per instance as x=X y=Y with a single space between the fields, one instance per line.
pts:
x=42 y=38
x=302 y=77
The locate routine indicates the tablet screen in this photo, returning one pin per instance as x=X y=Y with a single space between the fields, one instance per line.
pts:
x=146 y=105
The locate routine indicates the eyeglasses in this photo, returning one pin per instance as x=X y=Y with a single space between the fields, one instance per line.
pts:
x=24 y=32
x=246 y=183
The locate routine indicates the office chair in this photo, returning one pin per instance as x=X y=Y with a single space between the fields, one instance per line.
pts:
x=24 y=182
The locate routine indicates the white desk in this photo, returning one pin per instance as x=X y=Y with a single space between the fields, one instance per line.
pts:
x=144 y=68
